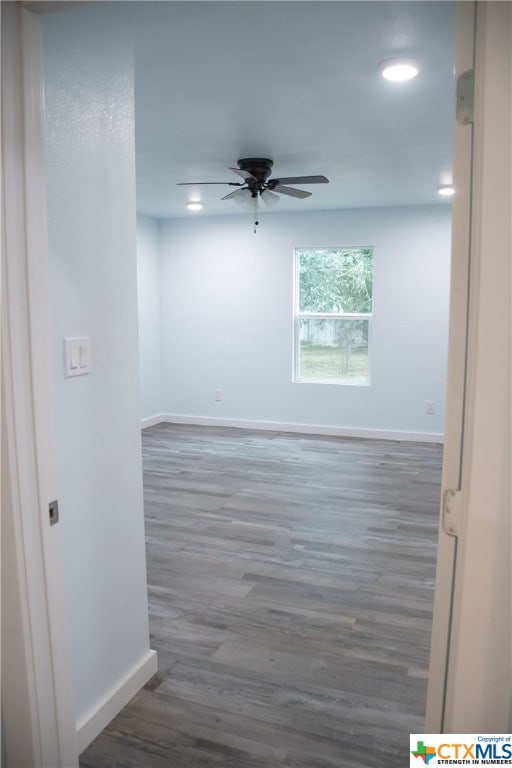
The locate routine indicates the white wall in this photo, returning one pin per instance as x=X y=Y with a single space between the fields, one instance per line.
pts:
x=148 y=279
x=92 y=229
x=227 y=299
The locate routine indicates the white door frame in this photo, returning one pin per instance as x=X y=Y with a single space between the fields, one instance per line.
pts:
x=479 y=683
x=471 y=663
x=456 y=378
x=35 y=665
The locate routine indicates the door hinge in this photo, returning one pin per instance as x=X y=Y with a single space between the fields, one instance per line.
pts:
x=451 y=512
x=465 y=97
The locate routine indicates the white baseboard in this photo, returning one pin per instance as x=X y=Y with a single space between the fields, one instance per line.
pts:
x=152 y=420
x=308 y=429
x=89 y=726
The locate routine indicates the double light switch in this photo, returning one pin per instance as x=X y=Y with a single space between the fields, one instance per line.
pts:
x=77 y=356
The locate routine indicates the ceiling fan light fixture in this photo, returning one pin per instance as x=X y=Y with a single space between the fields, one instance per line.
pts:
x=242 y=197
x=446 y=190
x=194 y=205
x=399 y=70
x=269 y=198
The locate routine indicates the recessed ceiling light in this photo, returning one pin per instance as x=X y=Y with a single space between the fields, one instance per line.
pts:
x=194 y=205
x=399 y=70
x=446 y=190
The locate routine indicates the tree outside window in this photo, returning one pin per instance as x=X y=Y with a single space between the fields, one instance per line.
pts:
x=333 y=301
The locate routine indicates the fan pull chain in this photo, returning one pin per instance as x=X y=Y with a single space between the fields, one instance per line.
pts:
x=255 y=204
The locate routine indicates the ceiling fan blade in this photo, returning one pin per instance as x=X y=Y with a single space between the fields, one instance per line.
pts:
x=301 y=180
x=243 y=174
x=196 y=183
x=290 y=191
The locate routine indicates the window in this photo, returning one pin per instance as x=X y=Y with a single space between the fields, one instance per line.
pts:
x=333 y=310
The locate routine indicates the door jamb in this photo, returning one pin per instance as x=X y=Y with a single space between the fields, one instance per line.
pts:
x=28 y=475
x=456 y=380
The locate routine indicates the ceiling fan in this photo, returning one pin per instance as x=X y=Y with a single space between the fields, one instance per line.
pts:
x=255 y=172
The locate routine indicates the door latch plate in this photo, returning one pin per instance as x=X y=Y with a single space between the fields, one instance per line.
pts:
x=53 y=512
x=465 y=97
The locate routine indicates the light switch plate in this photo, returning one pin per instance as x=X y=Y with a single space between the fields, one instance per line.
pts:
x=77 y=356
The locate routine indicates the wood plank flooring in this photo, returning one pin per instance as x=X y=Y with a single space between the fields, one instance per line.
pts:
x=290 y=596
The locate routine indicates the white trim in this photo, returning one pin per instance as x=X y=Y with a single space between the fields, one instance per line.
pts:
x=98 y=717
x=42 y=378
x=28 y=402
x=480 y=669
x=455 y=389
x=150 y=421
x=334 y=315
x=336 y=382
x=305 y=429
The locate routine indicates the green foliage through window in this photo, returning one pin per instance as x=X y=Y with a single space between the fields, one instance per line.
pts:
x=334 y=302
x=335 y=280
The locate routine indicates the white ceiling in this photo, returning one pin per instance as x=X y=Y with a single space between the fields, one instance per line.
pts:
x=299 y=83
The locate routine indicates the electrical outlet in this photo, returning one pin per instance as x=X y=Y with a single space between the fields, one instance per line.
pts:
x=218 y=396
x=430 y=407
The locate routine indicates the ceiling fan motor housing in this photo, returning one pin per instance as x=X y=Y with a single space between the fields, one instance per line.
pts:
x=259 y=167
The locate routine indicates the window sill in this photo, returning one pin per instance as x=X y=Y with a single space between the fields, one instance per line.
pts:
x=335 y=382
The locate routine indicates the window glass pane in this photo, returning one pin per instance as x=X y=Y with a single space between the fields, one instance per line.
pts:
x=335 y=280
x=335 y=350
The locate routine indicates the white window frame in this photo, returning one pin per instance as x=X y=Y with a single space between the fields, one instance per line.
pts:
x=298 y=316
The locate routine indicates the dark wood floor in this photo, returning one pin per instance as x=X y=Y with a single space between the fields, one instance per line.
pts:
x=290 y=591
